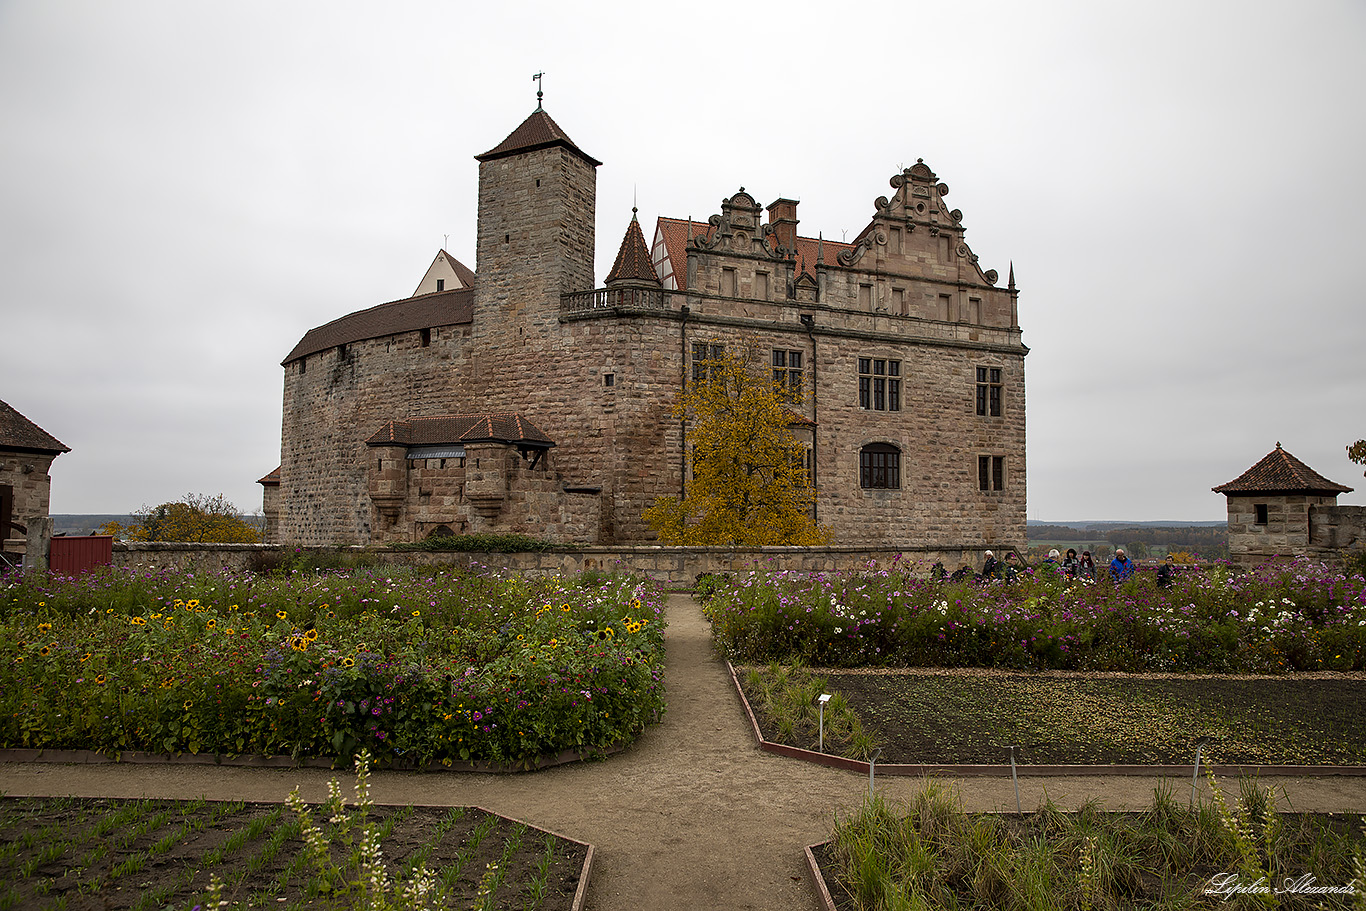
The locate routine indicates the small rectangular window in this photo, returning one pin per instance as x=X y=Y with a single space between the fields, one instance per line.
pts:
x=975 y=310
x=727 y=282
x=426 y=337
x=899 y=301
x=704 y=359
x=945 y=307
x=761 y=285
x=787 y=373
x=991 y=473
x=1262 y=517
x=441 y=284
x=879 y=385
x=609 y=379
x=989 y=391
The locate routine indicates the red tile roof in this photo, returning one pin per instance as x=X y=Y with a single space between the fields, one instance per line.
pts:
x=633 y=259
x=440 y=308
x=18 y=432
x=1281 y=472
x=675 y=233
x=536 y=132
x=272 y=479
x=497 y=427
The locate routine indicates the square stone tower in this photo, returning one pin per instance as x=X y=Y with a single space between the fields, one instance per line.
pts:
x=537 y=207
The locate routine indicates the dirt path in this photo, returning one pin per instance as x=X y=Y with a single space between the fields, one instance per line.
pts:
x=693 y=816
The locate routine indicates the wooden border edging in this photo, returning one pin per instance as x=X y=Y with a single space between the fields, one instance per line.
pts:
x=581 y=893
x=823 y=898
x=973 y=770
x=257 y=761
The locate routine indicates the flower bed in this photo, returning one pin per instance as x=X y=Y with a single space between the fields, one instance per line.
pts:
x=442 y=667
x=1282 y=618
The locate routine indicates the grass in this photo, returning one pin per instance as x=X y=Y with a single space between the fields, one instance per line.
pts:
x=786 y=699
x=970 y=717
x=58 y=853
x=927 y=853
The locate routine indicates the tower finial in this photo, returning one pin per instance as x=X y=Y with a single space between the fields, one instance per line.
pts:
x=820 y=248
x=539 y=94
x=1010 y=285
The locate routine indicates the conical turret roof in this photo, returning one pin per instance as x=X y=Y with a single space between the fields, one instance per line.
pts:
x=536 y=132
x=633 y=259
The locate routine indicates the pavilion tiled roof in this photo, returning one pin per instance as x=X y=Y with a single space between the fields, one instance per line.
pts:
x=633 y=259
x=18 y=432
x=536 y=132
x=1281 y=472
x=272 y=479
x=484 y=427
x=426 y=311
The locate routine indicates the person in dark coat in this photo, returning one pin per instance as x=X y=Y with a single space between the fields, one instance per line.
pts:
x=1166 y=573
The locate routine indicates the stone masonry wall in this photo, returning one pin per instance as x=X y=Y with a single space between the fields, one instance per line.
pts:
x=27 y=474
x=333 y=401
x=676 y=566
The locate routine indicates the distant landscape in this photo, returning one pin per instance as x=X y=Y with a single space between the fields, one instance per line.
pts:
x=1204 y=540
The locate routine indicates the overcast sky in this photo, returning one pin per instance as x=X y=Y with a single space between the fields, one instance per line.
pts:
x=186 y=188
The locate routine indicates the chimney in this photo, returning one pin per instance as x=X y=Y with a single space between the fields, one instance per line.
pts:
x=782 y=215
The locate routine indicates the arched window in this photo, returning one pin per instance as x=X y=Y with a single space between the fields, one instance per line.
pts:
x=880 y=467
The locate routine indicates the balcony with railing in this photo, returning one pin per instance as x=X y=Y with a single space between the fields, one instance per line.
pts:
x=618 y=299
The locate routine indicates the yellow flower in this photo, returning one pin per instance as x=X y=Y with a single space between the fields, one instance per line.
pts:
x=554 y=643
x=99 y=681
x=417 y=613
x=42 y=604
x=85 y=658
x=211 y=624
x=311 y=635
x=282 y=615
x=192 y=603
x=167 y=624
x=188 y=703
x=348 y=662
x=136 y=621
x=230 y=631
x=44 y=627
x=45 y=651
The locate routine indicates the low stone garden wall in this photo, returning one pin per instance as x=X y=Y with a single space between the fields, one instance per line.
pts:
x=671 y=565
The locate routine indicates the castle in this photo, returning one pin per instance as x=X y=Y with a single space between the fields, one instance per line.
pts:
x=522 y=398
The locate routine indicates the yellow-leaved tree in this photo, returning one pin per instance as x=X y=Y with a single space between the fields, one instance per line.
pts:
x=195 y=519
x=749 y=482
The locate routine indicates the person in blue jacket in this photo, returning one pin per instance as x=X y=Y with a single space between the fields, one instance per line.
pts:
x=1121 y=567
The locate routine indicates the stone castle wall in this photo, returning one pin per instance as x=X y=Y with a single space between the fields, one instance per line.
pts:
x=1297 y=525
x=26 y=474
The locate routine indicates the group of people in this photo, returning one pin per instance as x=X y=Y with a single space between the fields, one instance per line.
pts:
x=1072 y=566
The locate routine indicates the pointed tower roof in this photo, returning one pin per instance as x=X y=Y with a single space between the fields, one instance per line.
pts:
x=1281 y=472
x=536 y=132
x=633 y=259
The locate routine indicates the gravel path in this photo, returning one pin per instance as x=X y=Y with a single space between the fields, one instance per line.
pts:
x=692 y=816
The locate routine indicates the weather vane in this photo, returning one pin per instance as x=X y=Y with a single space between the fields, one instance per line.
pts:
x=539 y=94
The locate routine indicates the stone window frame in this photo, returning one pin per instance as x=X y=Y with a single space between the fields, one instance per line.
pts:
x=879 y=466
x=789 y=374
x=879 y=384
x=991 y=473
x=1261 y=514
x=990 y=398
x=704 y=366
